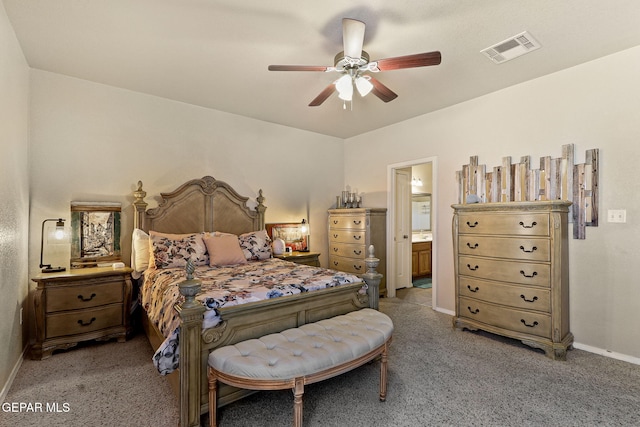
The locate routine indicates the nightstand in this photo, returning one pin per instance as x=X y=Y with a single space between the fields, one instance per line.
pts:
x=79 y=305
x=306 y=258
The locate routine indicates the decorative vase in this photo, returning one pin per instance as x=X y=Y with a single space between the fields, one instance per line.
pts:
x=278 y=246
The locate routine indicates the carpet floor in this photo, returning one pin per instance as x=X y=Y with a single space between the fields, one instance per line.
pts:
x=438 y=376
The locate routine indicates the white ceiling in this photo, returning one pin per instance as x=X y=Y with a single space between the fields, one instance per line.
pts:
x=215 y=53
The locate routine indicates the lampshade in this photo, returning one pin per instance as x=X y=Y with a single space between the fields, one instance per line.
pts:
x=58 y=235
x=363 y=85
x=344 y=86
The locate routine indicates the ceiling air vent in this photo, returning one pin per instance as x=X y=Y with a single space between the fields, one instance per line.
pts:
x=511 y=48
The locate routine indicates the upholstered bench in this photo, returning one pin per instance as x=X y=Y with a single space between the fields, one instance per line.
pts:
x=303 y=355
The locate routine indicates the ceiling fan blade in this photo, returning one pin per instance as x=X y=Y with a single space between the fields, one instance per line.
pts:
x=352 y=37
x=409 y=61
x=381 y=91
x=326 y=93
x=299 y=68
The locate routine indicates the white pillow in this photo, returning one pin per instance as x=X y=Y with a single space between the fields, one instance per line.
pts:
x=139 y=252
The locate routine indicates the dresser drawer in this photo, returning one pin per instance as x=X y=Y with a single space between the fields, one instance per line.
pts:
x=347 y=236
x=529 y=249
x=83 y=321
x=525 y=273
x=521 y=224
x=347 y=250
x=354 y=222
x=348 y=265
x=523 y=321
x=531 y=298
x=83 y=296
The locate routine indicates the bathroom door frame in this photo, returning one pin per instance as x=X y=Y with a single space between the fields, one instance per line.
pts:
x=391 y=197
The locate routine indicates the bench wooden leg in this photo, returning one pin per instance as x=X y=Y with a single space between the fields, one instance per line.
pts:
x=383 y=374
x=213 y=399
x=298 y=391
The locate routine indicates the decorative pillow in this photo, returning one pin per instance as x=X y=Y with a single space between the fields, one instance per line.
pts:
x=256 y=245
x=139 y=251
x=224 y=249
x=173 y=250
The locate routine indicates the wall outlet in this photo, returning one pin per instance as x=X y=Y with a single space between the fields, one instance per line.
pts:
x=617 y=215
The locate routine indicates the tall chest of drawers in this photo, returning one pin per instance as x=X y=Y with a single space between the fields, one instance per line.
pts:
x=512 y=272
x=351 y=231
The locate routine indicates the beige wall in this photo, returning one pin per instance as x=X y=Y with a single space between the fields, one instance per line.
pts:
x=92 y=142
x=594 y=105
x=14 y=193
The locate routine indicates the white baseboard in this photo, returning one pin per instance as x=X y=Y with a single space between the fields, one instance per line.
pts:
x=14 y=372
x=607 y=353
x=442 y=310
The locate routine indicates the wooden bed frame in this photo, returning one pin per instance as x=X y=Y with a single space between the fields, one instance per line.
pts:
x=210 y=205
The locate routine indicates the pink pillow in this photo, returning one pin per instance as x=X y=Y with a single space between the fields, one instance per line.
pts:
x=224 y=249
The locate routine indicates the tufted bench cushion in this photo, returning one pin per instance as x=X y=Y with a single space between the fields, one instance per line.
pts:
x=302 y=355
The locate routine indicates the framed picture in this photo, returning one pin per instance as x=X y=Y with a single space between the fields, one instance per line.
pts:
x=291 y=233
x=95 y=233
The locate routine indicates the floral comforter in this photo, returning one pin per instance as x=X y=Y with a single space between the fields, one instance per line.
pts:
x=224 y=287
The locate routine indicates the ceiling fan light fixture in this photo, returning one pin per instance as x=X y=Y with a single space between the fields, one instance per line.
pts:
x=363 y=85
x=344 y=86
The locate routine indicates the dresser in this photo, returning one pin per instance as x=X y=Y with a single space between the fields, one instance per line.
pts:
x=512 y=272
x=351 y=231
x=79 y=305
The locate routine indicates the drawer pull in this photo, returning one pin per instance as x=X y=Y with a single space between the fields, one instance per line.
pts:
x=357 y=252
x=475 y=268
x=335 y=236
x=474 y=290
x=529 y=300
x=528 y=226
x=475 y=245
x=529 y=277
x=472 y=225
x=357 y=237
x=357 y=267
x=335 y=249
x=529 y=326
x=81 y=323
x=357 y=222
x=335 y=263
x=530 y=251
x=476 y=311
x=81 y=298
x=335 y=221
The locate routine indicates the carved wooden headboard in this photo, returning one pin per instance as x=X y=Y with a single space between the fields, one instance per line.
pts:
x=199 y=205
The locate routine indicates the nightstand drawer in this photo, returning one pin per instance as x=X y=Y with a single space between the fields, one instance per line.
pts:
x=79 y=297
x=83 y=321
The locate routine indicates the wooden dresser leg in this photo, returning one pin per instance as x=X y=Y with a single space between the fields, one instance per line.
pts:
x=213 y=399
x=383 y=373
x=298 y=391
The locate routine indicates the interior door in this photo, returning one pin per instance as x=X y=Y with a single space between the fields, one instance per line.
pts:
x=402 y=228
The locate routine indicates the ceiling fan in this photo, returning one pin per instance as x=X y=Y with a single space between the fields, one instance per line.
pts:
x=353 y=63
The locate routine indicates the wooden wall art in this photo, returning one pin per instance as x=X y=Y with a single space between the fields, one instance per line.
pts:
x=556 y=179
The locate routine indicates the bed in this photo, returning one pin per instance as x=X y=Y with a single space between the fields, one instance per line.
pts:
x=210 y=206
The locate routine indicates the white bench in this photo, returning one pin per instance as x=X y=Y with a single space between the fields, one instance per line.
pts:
x=304 y=355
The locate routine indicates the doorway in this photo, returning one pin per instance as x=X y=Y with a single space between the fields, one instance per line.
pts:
x=400 y=231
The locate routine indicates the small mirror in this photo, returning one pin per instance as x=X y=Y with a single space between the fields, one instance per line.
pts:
x=95 y=233
x=421 y=212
